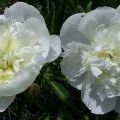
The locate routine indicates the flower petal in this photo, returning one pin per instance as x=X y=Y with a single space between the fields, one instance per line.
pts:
x=94 y=103
x=37 y=26
x=55 y=48
x=21 y=11
x=22 y=79
x=118 y=9
x=5 y=102
x=21 y=35
x=70 y=67
x=71 y=63
x=76 y=82
x=99 y=16
x=28 y=33
x=96 y=71
x=70 y=30
x=44 y=42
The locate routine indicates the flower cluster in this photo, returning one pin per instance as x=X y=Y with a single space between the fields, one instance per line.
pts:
x=91 y=54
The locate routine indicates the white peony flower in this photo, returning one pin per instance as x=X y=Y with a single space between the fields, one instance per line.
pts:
x=25 y=46
x=91 y=58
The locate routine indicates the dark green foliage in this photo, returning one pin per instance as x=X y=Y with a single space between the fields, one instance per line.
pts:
x=52 y=98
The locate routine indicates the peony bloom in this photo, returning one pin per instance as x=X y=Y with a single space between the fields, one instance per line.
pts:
x=25 y=46
x=91 y=58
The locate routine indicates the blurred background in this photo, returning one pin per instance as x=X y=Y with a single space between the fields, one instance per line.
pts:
x=50 y=97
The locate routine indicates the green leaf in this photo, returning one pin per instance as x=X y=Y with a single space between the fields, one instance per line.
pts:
x=63 y=94
x=89 y=6
x=80 y=8
x=47 y=117
x=60 y=91
x=86 y=117
x=59 y=118
x=118 y=118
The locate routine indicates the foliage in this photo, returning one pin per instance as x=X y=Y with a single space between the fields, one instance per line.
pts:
x=51 y=97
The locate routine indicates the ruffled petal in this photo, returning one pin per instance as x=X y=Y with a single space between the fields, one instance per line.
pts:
x=71 y=63
x=22 y=79
x=94 y=103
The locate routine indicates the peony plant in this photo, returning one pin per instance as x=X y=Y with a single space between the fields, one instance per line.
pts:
x=91 y=57
x=25 y=46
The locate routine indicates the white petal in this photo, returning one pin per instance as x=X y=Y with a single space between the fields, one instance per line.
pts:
x=22 y=80
x=76 y=82
x=29 y=32
x=44 y=42
x=5 y=102
x=37 y=26
x=55 y=48
x=96 y=71
x=87 y=80
x=2 y=17
x=27 y=53
x=71 y=65
x=101 y=94
x=94 y=103
x=118 y=9
x=99 y=16
x=83 y=80
x=21 y=11
x=70 y=31
x=4 y=24
x=39 y=60
x=22 y=36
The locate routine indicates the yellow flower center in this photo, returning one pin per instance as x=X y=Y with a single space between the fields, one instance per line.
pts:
x=10 y=59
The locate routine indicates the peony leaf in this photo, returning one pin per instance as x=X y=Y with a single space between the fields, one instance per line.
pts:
x=60 y=91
